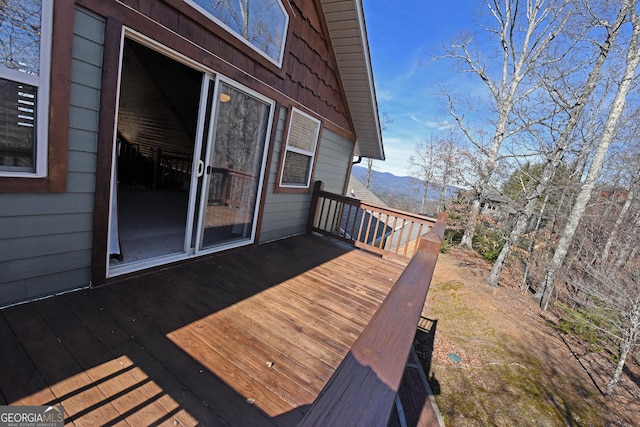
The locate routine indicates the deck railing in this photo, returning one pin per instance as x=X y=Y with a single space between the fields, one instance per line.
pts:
x=361 y=392
x=379 y=229
x=230 y=187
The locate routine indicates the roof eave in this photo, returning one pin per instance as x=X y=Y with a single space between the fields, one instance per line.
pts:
x=347 y=29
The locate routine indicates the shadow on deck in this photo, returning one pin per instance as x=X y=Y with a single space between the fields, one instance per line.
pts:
x=244 y=338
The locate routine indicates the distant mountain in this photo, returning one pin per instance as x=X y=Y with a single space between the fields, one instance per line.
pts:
x=402 y=192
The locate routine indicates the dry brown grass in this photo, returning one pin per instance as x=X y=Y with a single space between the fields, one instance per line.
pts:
x=514 y=368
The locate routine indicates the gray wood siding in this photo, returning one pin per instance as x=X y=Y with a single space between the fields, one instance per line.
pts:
x=334 y=161
x=286 y=214
x=46 y=239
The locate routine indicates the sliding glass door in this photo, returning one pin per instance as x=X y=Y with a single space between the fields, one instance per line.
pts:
x=189 y=160
x=234 y=159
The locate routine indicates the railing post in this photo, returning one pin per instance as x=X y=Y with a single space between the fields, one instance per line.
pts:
x=431 y=242
x=313 y=208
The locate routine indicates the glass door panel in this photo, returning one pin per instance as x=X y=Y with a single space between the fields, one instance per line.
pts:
x=233 y=167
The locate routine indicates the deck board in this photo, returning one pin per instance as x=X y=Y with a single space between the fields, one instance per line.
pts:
x=244 y=338
x=20 y=376
x=144 y=325
x=71 y=385
x=104 y=326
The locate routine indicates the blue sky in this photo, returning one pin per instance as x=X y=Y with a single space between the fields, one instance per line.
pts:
x=401 y=36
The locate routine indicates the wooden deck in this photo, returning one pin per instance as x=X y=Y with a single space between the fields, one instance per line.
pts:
x=245 y=338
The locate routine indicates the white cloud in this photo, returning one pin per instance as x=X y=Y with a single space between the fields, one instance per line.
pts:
x=397 y=152
x=384 y=95
x=431 y=124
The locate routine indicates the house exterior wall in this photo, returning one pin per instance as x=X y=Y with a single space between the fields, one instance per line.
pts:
x=46 y=238
x=51 y=242
x=286 y=214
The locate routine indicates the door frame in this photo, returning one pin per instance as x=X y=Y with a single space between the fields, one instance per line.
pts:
x=193 y=211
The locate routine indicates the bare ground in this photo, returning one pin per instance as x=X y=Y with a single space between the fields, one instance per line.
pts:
x=494 y=358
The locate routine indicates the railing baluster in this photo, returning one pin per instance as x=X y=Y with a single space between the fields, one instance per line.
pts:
x=321 y=212
x=345 y=218
x=361 y=224
x=393 y=232
x=331 y=215
x=417 y=240
x=383 y=238
x=366 y=236
x=355 y=221
x=326 y=202
x=336 y=215
x=406 y=246
x=375 y=230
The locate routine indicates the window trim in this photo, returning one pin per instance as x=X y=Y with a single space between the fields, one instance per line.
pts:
x=298 y=188
x=231 y=31
x=43 y=84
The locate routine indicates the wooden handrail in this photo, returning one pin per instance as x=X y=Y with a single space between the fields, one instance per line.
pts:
x=230 y=187
x=379 y=229
x=362 y=390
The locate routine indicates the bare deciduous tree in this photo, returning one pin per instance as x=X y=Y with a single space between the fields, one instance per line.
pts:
x=385 y=121
x=572 y=101
x=631 y=61
x=607 y=298
x=422 y=168
x=437 y=162
x=449 y=167
x=20 y=35
x=524 y=33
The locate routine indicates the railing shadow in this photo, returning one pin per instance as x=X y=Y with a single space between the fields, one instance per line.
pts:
x=423 y=344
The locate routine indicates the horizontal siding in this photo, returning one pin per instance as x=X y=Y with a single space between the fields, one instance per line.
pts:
x=28 y=247
x=81 y=161
x=80 y=140
x=278 y=217
x=46 y=239
x=86 y=96
x=38 y=225
x=86 y=74
x=275 y=162
x=73 y=279
x=83 y=118
x=286 y=214
x=44 y=204
x=45 y=265
x=334 y=160
x=27 y=289
x=81 y=182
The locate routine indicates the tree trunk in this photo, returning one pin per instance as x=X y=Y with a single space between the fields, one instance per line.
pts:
x=622 y=216
x=628 y=250
x=519 y=228
x=425 y=194
x=584 y=195
x=532 y=243
x=619 y=369
x=631 y=337
x=443 y=195
x=470 y=227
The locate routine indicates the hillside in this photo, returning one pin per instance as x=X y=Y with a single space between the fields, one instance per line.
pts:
x=402 y=192
x=494 y=358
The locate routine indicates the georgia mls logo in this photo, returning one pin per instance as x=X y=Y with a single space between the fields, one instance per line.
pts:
x=31 y=416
